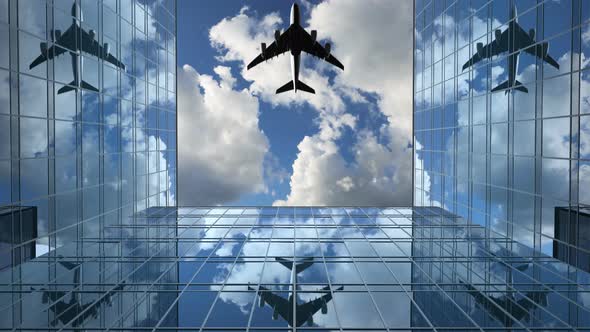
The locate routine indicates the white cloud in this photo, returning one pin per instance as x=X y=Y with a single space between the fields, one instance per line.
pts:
x=554 y=173
x=379 y=172
x=222 y=149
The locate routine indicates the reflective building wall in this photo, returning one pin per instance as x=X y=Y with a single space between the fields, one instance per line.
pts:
x=87 y=117
x=505 y=155
x=295 y=268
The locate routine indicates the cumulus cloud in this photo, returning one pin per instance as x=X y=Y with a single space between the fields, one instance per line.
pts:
x=223 y=150
x=376 y=76
x=381 y=172
x=554 y=173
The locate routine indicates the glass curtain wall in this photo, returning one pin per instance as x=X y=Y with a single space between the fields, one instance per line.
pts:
x=506 y=158
x=87 y=117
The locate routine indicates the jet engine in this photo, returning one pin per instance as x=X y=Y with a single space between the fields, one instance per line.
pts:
x=328 y=47
x=263 y=49
x=314 y=36
x=324 y=308
x=43 y=47
x=498 y=35
x=91 y=33
x=480 y=50
x=106 y=48
x=310 y=320
x=532 y=34
x=275 y=314
x=260 y=301
x=56 y=35
x=277 y=36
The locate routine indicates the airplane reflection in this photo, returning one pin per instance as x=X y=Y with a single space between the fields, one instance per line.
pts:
x=295 y=314
x=73 y=312
x=513 y=41
x=506 y=307
x=75 y=40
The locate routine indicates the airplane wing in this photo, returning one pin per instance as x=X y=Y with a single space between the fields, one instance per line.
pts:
x=272 y=50
x=310 y=308
x=92 y=47
x=524 y=40
x=538 y=51
x=279 y=304
x=316 y=49
x=492 y=49
x=67 y=39
x=521 y=38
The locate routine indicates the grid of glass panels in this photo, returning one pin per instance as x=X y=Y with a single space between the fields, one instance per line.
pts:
x=84 y=159
x=376 y=269
x=508 y=160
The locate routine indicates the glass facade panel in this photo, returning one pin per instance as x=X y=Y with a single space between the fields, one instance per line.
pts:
x=73 y=147
x=200 y=268
x=520 y=143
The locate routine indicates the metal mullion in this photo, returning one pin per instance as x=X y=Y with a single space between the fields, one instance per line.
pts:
x=354 y=259
x=188 y=285
x=101 y=297
x=328 y=276
x=413 y=264
x=146 y=291
x=258 y=284
x=216 y=296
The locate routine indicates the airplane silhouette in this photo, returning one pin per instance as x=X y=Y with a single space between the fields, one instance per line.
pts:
x=75 y=40
x=513 y=40
x=505 y=306
x=295 y=39
x=284 y=307
x=72 y=311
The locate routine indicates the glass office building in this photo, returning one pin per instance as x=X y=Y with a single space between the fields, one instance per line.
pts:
x=90 y=157
x=91 y=237
x=87 y=142
x=231 y=269
x=504 y=143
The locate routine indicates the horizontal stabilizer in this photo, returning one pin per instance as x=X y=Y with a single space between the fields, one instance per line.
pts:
x=299 y=265
x=66 y=88
x=304 y=87
x=506 y=85
x=286 y=87
x=502 y=86
x=518 y=86
x=551 y=61
x=87 y=86
x=73 y=86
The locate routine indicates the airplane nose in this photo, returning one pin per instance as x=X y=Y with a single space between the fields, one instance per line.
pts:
x=74 y=9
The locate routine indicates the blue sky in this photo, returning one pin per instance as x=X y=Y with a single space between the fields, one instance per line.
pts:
x=348 y=126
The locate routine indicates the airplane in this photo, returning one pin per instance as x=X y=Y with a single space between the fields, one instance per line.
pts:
x=77 y=40
x=295 y=39
x=513 y=40
x=72 y=312
x=284 y=307
x=503 y=307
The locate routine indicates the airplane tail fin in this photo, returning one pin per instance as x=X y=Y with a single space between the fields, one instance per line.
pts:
x=304 y=87
x=506 y=85
x=300 y=86
x=73 y=86
x=299 y=265
x=286 y=87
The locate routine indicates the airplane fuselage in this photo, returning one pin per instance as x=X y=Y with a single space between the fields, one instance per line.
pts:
x=294 y=46
x=513 y=49
x=77 y=60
